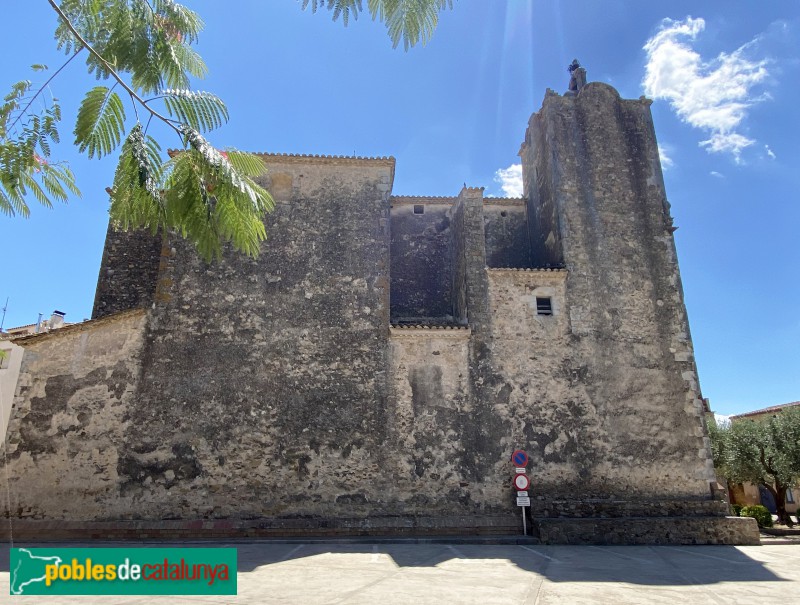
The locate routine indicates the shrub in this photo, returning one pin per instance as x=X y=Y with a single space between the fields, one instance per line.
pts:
x=759 y=513
x=736 y=509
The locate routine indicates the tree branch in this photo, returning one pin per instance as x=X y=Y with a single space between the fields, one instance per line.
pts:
x=112 y=71
x=45 y=85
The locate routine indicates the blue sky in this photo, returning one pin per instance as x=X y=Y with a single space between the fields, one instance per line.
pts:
x=725 y=77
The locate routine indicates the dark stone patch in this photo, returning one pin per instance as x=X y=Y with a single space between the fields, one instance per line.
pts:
x=58 y=390
x=421 y=266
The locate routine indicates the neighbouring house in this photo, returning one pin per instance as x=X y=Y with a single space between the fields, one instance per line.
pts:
x=748 y=494
x=11 y=360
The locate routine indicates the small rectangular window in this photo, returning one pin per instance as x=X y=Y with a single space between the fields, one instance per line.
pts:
x=789 y=496
x=419 y=209
x=544 y=306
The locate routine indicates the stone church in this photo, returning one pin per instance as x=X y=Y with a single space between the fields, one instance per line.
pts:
x=373 y=370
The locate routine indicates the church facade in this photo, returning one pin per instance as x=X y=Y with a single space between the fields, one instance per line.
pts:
x=373 y=370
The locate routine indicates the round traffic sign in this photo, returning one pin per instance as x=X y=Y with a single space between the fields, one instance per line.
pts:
x=519 y=458
x=521 y=482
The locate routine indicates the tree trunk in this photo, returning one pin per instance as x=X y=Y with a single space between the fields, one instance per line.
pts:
x=779 y=494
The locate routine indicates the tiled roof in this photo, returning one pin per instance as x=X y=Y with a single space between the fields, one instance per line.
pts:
x=530 y=269
x=77 y=327
x=769 y=410
x=426 y=327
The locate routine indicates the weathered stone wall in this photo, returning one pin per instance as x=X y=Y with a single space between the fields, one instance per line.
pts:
x=74 y=397
x=629 y=361
x=684 y=530
x=128 y=272
x=432 y=420
x=276 y=389
x=459 y=265
x=265 y=382
x=506 y=230
x=421 y=261
x=539 y=169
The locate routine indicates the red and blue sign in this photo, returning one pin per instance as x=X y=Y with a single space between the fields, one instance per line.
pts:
x=519 y=458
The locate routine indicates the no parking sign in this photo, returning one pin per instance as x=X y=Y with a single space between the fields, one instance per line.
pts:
x=519 y=458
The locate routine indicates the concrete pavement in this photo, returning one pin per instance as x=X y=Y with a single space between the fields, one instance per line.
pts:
x=355 y=572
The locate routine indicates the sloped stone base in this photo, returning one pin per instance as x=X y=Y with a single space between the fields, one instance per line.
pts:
x=630 y=530
x=213 y=529
x=649 y=530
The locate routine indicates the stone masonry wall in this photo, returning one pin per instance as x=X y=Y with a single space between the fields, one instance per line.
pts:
x=128 y=272
x=507 y=237
x=72 y=409
x=265 y=380
x=628 y=344
x=421 y=261
x=276 y=393
x=432 y=419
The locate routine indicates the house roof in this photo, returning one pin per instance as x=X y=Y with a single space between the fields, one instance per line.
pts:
x=74 y=327
x=769 y=410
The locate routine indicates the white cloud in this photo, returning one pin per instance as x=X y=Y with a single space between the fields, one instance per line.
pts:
x=510 y=180
x=769 y=151
x=714 y=95
x=664 y=152
x=717 y=174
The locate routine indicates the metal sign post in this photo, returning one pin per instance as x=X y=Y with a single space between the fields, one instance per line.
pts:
x=521 y=483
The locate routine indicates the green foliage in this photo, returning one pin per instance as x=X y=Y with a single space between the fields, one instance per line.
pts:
x=232 y=203
x=144 y=45
x=761 y=451
x=209 y=197
x=764 y=450
x=759 y=513
x=136 y=194
x=25 y=146
x=200 y=110
x=149 y=39
x=201 y=193
x=411 y=21
x=736 y=509
x=101 y=122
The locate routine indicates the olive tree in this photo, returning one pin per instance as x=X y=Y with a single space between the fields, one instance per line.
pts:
x=763 y=451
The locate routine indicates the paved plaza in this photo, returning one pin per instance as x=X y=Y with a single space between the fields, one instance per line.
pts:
x=345 y=572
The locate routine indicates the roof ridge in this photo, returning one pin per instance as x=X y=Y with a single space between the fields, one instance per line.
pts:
x=311 y=156
x=530 y=269
x=768 y=409
x=427 y=327
x=425 y=197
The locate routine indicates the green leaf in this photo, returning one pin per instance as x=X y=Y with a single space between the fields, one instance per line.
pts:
x=212 y=199
x=200 y=110
x=149 y=40
x=28 y=182
x=136 y=194
x=101 y=121
x=411 y=21
x=248 y=164
x=11 y=201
